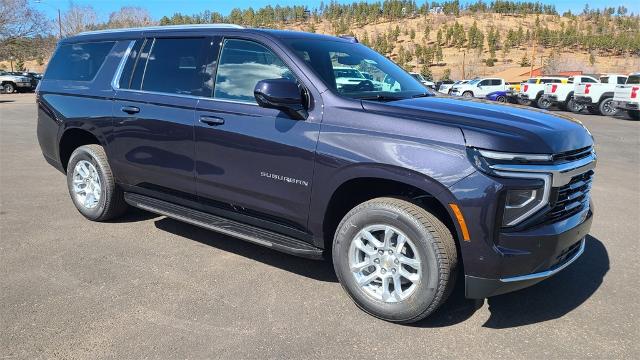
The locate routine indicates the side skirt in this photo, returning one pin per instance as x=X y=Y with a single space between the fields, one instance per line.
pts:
x=232 y=228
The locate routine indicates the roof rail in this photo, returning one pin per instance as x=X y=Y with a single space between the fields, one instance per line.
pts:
x=165 y=27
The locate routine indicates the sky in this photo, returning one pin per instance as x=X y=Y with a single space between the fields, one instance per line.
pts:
x=159 y=8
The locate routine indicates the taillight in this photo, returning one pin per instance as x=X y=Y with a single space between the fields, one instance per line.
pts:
x=586 y=88
x=526 y=87
x=634 y=92
x=554 y=87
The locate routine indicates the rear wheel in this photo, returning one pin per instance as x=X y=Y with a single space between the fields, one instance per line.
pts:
x=467 y=94
x=92 y=186
x=572 y=105
x=396 y=260
x=502 y=99
x=634 y=114
x=607 y=108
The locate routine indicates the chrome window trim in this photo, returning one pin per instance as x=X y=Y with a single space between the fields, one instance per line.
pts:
x=550 y=272
x=545 y=192
x=115 y=82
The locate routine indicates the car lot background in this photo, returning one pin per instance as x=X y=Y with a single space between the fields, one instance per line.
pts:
x=147 y=286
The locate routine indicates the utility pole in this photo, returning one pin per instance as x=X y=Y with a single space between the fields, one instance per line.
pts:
x=533 y=54
x=59 y=25
x=464 y=55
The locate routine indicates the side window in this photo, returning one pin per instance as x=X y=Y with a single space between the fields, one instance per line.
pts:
x=140 y=64
x=496 y=82
x=622 y=80
x=604 y=80
x=127 y=70
x=177 y=66
x=242 y=64
x=78 y=62
x=588 y=80
x=484 y=83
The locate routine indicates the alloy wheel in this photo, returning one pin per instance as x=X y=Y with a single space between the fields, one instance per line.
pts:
x=86 y=184
x=385 y=263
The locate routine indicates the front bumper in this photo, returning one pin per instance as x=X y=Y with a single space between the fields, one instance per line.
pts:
x=480 y=288
x=626 y=105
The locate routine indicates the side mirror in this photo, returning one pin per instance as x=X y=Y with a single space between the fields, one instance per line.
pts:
x=281 y=94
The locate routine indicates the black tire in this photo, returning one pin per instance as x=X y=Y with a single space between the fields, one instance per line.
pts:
x=634 y=114
x=606 y=108
x=501 y=99
x=111 y=203
x=9 y=88
x=467 y=94
x=572 y=105
x=433 y=243
x=543 y=103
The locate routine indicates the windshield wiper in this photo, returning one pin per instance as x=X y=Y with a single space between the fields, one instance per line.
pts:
x=381 y=98
x=426 y=94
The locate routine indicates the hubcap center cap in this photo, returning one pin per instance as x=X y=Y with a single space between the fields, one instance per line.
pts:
x=388 y=261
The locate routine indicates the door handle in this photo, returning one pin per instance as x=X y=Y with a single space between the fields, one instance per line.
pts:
x=130 y=109
x=211 y=120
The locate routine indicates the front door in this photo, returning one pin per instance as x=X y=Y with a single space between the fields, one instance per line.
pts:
x=253 y=160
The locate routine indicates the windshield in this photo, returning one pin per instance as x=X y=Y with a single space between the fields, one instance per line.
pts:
x=474 y=81
x=340 y=65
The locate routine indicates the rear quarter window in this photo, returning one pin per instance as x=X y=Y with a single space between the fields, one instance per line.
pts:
x=633 y=79
x=78 y=62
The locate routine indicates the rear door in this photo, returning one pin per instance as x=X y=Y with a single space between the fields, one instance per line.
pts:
x=154 y=115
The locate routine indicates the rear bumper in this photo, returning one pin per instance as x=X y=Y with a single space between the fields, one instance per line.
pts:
x=583 y=100
x=551 y=98
x=626 y=105
x=480 y=288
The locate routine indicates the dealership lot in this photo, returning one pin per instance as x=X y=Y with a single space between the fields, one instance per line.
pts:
x=148 y=286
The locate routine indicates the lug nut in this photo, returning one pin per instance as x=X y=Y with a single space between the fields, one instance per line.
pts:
x=377 y=261
x=393 y=271
x=390 y=252
x=396 y=261
x=380 y=252
x=383 y=270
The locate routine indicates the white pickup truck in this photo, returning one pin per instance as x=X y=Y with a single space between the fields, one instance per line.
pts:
x=561 y=94
x=627 y=96
x=598 y=97
x=531 y=91
x=479 y=87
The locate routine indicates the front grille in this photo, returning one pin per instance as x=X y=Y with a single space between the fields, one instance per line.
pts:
x=572 y=198
x=573 y=155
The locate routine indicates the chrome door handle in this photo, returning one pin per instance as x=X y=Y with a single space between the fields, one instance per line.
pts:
x=130 y=109
x=211 y=120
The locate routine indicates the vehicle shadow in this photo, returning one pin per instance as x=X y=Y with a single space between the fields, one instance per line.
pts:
x=550 y=299
x=318 y=270
x=134 y=214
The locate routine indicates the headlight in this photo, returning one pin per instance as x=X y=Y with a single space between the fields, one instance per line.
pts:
x=519 y=204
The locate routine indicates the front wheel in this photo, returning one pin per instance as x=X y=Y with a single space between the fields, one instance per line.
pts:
x=543 y=103
x=502 y=99
x=9 y=88
x=467 y=94
x=396 y=260
x=92 y=186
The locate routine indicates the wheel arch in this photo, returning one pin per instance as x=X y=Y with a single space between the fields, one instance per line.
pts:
x=606 y=95
x=71 y=139
x=386 y=181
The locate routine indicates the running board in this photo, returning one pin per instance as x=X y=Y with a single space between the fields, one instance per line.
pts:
x=256 y=235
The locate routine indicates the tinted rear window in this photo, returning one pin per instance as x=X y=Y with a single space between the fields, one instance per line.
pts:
x=633 y=79
x=78 y=62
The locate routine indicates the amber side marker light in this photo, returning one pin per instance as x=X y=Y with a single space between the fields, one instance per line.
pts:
x=463 y=224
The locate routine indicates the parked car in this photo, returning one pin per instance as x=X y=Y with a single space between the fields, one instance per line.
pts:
x=447 y=89
x=598 y=97
x=444 y=85
x=627 y=96
x=398 y=188
x=479 y=87
x=34 y=78
x=532 y=90
x=423 y=81
x=503 y=96
x=561 y=94
x=348 y=77
x=11 y=83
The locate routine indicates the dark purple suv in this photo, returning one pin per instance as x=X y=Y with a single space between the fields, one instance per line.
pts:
x=259 y=134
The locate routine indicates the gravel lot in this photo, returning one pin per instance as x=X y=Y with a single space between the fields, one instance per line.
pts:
x=151 y=287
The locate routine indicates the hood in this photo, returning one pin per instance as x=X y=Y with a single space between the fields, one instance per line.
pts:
x=494 y=126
